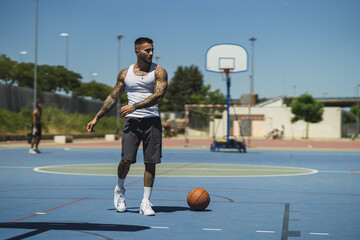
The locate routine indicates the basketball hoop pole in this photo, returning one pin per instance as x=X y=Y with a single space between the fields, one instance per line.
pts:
x=227 y=73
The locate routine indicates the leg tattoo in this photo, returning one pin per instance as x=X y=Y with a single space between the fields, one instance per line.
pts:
x=123 y=169
x=149 y=175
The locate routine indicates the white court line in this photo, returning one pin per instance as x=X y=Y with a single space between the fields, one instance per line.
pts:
x=160 y=227
x=261 y=231
x=326 y=171
x=323 y=234
x=89 y=166
x=212 y=229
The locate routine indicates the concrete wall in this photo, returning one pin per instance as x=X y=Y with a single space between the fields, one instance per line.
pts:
x=275 y=117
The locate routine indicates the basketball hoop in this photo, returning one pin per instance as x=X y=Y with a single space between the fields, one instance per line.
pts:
x=226 y=58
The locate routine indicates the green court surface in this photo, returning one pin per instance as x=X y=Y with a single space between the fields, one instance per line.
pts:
x=181 y=169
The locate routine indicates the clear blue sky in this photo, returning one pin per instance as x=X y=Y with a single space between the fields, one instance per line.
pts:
x=302 y=45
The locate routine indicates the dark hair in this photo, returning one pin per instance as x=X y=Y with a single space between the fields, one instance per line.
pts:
x=37 y=104
x=142 y=40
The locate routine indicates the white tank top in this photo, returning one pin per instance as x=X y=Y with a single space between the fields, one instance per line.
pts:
x=139 y=88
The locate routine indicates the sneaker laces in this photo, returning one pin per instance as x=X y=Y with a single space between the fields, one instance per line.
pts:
x=148 y=205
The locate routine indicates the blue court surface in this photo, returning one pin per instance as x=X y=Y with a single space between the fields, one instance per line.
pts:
x=262 y=194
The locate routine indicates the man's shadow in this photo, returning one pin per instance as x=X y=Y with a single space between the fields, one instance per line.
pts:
x=160 y=209
x=40 y=227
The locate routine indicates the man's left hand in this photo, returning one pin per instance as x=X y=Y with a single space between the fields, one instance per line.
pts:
x=125 y=110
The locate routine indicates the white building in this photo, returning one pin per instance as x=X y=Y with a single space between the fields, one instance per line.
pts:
x=273 y=114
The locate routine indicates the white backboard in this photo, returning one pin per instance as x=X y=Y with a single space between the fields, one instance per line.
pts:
x=226 y=56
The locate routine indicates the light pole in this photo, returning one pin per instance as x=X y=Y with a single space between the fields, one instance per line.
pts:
x=36 y=52
x=119 y=37
x=66 y=35
x=252 y=40
x=22 y=53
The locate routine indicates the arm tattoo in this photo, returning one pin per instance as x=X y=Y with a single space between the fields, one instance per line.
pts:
x=109 y=103
x=114 y=96
x=159 y=90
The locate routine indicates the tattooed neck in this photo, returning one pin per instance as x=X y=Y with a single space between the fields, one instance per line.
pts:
x=142 y=68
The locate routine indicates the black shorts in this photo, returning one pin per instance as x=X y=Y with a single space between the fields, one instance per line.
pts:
x=147 y=130
x=38 y=132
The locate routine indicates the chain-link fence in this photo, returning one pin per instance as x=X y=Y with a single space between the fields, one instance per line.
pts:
x=15 y=98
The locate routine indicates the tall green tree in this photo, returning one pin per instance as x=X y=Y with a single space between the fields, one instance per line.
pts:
x=187 y=87
x=7 y=68
x=50 y=78
x=23 y=75
x=93 y=89
x=207 y=96
x=96 y=91
x=306 y=108
x=57 y=78
x=186 y=82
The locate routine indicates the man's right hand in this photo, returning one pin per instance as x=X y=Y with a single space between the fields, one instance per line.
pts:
x=91 y=125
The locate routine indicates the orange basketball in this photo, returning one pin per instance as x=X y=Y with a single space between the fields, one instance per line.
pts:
x=198 y=199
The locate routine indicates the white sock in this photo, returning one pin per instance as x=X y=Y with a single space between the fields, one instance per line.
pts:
x=147 y=194
x=120 y=184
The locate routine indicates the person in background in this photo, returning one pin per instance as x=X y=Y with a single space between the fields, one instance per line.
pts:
x=36 y=129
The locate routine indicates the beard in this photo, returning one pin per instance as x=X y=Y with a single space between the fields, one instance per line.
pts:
x=147 y=59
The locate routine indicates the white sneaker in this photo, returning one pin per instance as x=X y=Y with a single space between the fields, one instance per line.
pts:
x=146 y=209
x=119 y=200
x=32 y=151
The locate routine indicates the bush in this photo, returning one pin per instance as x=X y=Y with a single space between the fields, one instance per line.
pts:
x=14 y=123
x=54 y=121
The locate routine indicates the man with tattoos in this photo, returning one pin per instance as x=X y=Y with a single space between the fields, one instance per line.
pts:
x=145 y=84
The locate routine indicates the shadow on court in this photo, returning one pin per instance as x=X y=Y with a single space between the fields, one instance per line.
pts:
x=41 y=227
x=158 y=209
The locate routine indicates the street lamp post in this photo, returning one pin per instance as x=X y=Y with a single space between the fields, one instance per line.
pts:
x=36 y=52
x=22 y=53
x=119 y=37
x=252 y=64
x=252 y=40
x=66 y=35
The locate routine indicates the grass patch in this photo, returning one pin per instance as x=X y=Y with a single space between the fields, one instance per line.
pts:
x=54 y=121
